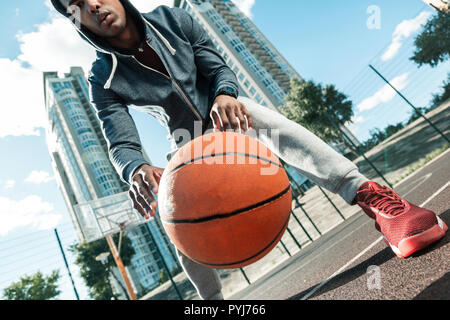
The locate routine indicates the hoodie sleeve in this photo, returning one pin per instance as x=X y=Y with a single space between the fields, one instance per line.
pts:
x=119 y=130
x=208 y=60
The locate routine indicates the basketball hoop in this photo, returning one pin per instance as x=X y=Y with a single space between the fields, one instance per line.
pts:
x=106 y=216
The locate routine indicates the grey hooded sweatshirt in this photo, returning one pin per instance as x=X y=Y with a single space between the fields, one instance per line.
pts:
x=197 y=73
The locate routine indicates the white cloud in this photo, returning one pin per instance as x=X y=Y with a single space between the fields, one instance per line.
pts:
x=53 y=46
x=147 y=6
x=356 y=120
x=48 y=4
x=38 y=177
x=21 y=110
x=9 y=184
x=31 y=211
x=404 y=30
x=385 y=94
x=245 y=6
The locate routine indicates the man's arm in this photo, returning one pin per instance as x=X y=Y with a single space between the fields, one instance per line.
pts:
x=119 y=130
x=125 y=149
x=226 y=111
x=209 y=62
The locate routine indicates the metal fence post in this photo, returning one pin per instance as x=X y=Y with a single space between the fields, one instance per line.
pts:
x=245 y=276
x=163 y=260
x=307 y=216
x=293 y=237
x=285 y=248
x=332 y=203
x=359 y=151
x=301 y=226
x=410 y=104
x=67 y=265
x=298 y=203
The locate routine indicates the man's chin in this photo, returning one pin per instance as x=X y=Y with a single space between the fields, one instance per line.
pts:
x=111 y=31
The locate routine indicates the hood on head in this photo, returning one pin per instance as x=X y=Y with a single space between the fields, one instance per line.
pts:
x=98 y=42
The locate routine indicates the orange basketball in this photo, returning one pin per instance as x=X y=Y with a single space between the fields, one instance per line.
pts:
x=224 y=200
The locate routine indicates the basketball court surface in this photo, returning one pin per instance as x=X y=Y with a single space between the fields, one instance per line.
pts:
x=352 y=262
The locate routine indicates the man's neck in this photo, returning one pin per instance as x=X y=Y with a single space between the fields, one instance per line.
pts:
x=129 y=38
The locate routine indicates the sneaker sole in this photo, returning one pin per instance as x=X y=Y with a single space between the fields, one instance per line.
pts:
x=408 y=246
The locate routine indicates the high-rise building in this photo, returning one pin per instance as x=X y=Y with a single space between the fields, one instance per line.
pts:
x=262 y=72
x=441 y=5
x=84 y=173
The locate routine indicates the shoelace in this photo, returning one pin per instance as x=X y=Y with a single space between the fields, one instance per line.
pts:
x=385 y=200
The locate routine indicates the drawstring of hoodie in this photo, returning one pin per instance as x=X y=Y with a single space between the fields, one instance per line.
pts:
x=164 y=40
x=113 y=71
x=115 y=61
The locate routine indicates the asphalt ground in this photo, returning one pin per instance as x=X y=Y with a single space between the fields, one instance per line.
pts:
x=351 y=262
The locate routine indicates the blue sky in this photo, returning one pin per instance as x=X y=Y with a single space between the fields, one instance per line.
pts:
x=326 y=41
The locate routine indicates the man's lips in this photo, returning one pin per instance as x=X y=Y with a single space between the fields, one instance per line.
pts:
x=102 y=17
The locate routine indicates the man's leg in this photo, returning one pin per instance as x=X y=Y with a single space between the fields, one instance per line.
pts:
x=406 y=228
x=304 y=151
x=205 y=280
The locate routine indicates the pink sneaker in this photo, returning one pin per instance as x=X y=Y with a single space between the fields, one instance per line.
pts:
x=406 y=228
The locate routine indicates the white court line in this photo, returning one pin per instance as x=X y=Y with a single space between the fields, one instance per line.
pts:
x=367 y=249
x=264 y=289
x=422 y=168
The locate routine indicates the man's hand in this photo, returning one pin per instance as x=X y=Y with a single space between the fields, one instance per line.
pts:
x=228 y=111
x=145 y=180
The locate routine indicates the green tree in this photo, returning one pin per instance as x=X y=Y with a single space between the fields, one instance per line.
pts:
x=433 y=43
x=393 y=129
x=376 y=136
x=163 y=277
x=34 y=287
x=312 y=105
x=96 y=275
x=438 y=99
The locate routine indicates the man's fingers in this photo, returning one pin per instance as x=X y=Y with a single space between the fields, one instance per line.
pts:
x=143 y=193
x=138 y=206
x=232 y=115
x=157 y=175
x=232 y=118
x=150 y=180
x=242 y=120
x=248 y=117
x=225 y=122
x=216 y=120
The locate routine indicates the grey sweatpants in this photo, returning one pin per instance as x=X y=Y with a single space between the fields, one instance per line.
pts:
x=299 y=148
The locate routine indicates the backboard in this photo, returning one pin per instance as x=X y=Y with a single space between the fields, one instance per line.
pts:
x=106 y=216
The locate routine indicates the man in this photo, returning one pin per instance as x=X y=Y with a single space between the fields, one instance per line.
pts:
x=164 y=58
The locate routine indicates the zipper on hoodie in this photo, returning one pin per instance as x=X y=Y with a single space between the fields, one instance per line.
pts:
x=193 y=109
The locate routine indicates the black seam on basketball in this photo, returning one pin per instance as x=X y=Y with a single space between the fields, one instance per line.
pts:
x=253 y=256
x=223 y=154
x=230 y=214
